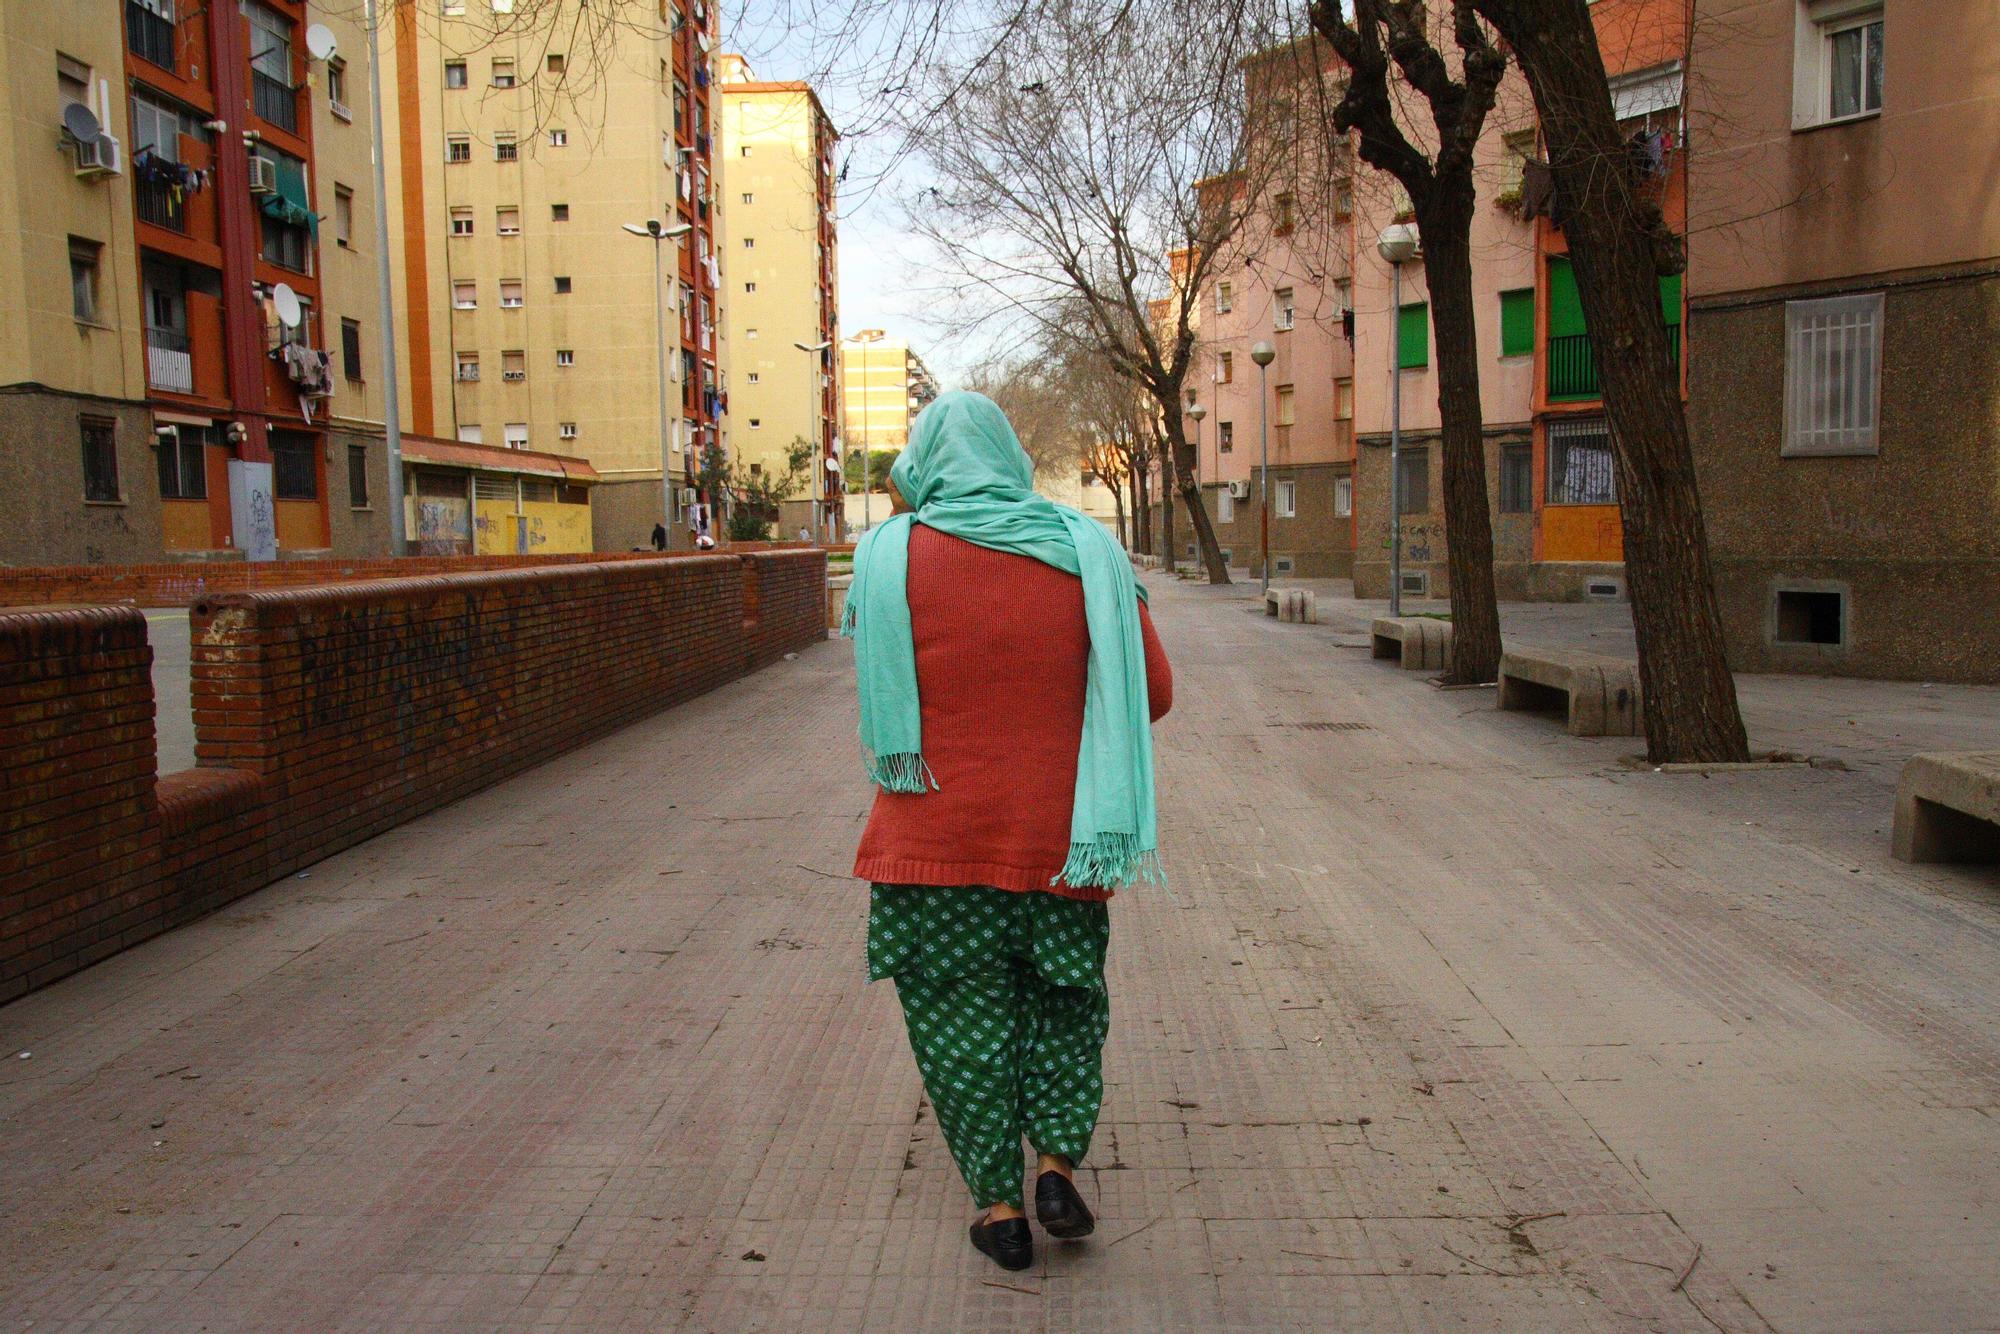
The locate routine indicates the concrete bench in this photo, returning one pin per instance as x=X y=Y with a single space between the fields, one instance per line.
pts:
x=1599 y=696
x=1420 y=642
x=1948 y=808
x=836 y=598
x=1292 y=605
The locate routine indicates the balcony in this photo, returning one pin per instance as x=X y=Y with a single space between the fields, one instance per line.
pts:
x=159 y=204
x=1572 y=365
x=275 y=102
x=149 y=36
x=169 y=361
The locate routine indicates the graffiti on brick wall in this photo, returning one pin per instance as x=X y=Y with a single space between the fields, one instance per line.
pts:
x=444 y=526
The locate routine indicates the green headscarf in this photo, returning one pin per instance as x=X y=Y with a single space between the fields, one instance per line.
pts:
x=965 y=473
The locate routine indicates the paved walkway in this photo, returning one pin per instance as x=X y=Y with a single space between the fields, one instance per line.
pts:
x=1453 y=1021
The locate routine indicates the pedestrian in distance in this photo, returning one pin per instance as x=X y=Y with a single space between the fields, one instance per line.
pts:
x=659 y=537
x=1009 y=675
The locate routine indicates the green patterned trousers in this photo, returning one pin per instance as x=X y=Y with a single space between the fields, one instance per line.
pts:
x=1004 y=997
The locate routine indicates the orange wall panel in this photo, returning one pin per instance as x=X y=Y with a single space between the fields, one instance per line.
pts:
x=1582 y=532
x=301 y=525
x=184 y=525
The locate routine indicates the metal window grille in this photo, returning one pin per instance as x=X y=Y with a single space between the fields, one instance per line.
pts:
x=1582 y=470
x=294 y=474
x=100 y=459
x=1833 y=364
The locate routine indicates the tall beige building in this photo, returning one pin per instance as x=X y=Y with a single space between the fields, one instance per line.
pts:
x=781 y=320
x=883 y=386
x=532 y=318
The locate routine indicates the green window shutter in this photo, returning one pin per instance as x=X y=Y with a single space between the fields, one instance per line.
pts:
x=1413 y=336
x=1517 y=322
x=1565 y=306
x=1670 y=297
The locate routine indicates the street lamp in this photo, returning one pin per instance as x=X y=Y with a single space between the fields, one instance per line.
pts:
x=1197 y=412
x=1398 y=245
x=656 y=233
x=1264 y=354
x=815 y=350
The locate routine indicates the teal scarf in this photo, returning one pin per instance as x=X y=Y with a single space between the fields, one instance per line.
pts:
x=966 y=474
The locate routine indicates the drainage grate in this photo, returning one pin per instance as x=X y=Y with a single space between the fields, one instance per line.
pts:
x=1328 y=727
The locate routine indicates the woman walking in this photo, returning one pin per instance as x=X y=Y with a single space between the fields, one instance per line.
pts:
x=1009 y=674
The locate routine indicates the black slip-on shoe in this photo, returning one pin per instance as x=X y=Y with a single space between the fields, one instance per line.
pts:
x=1007 y=1242
x=1061 y=1211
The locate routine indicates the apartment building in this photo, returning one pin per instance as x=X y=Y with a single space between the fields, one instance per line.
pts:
x=884 y=384
x=1844 y=291
x=188 y=373
x=523 y=168
x=782 y=318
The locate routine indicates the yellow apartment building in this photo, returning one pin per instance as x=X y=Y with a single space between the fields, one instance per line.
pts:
x=883 y=386
x=782 y=322
x=532 y=322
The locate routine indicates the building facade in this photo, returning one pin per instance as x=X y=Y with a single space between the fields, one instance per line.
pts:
x=781 y=323
x=1844 y=292
x=184 y=240
x=884 y=384
x=533 y=322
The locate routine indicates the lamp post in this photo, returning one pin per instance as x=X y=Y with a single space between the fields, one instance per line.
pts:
x=1196 y=412
x=1264 y=354
x=392 y=411
x=655 y=232
x=815 y=351
x=1398 y=245
x=862 y=339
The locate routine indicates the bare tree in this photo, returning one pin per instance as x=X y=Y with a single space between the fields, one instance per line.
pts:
x=1620 y=244
x=1066 y=164
x=1386 y=43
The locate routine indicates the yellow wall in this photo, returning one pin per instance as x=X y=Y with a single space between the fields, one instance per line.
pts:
x=551 y=528
x=184 y=525
x=347 y=272
x=875 y=393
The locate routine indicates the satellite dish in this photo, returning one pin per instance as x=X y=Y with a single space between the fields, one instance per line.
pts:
x=80 y=123
x=320 y=43
x=287 y=302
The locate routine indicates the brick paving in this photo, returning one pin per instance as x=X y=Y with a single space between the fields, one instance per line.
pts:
x=1451 y=1021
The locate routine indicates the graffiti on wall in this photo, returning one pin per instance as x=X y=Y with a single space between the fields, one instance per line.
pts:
x=444 y=526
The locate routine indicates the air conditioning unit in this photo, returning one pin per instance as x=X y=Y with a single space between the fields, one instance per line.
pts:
x=687 y=496
x=102 y=156
x=263 y=175
x=1239 y=490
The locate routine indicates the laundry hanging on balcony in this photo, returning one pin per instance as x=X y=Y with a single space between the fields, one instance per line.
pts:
x=310 y=368
x=289 y=203
x=177 y=178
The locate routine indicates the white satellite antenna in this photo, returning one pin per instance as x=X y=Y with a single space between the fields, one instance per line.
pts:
x=81 y=124
x=320 y=44
x=287 y=302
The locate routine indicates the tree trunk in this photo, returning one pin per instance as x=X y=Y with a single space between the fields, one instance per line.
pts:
x=1118 y=513
x=1169 y=557
x=1142 y=519
x=1182 y=452
x=1468 y=526
x=1615 y=242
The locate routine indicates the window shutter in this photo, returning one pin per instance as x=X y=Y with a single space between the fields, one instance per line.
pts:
x=1517 y=322
x=1413 y=336
x=1833 y=363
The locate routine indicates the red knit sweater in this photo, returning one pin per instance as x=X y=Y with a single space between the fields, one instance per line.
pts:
x=1002 y=650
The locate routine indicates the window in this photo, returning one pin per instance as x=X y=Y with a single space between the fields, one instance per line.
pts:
x=1580 y=464
x=565 y=356
x=513 y=365
x=294 y=466
x=1284 y=214
x=749 y=333
x=562 y=284
x=468 y=366
x=1413 y=336
x=1517 y=479
x=1288 y=500
x=454 y=74
x=157 y=127
x=1517 y=322
x=1837 y=67
x=558 y=212
x=343 y=217
x=472 y=435
x=1414 y=476
x=357 y=477
x=350 y=349
x=285 y=214
x=1225 y=437
x=461 y=221
x=336 y=88
x=452 y=8
x=272 y=95
x=83 y=278
x=745 y=150
x=100 y=460
x=1516 y=151
x=1343 y=497
x=749 y=243
x=183 y=464
x=457 y=148
x=1343 y=198
x=515 y=435
x=73 y=80
x=1225 y=368
x=464 y=294
x=1282 y=310
x=1225 y=297
x=1810 y=616
x=1833 y=374
x=755 y=378
x=749 y=197
x=507 y=221
x=503 y=6
x=1343 y=399
x=556 y=63
x=567 y=430
x=1225 y=505
x=504 y=147
x=749 y=287
x=503 y=73
x=558 y=138
x=756 y=424
x=510 y=294
x=1285 y=416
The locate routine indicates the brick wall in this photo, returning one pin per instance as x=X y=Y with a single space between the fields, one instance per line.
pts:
x=180 y=583
x=326 y=715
